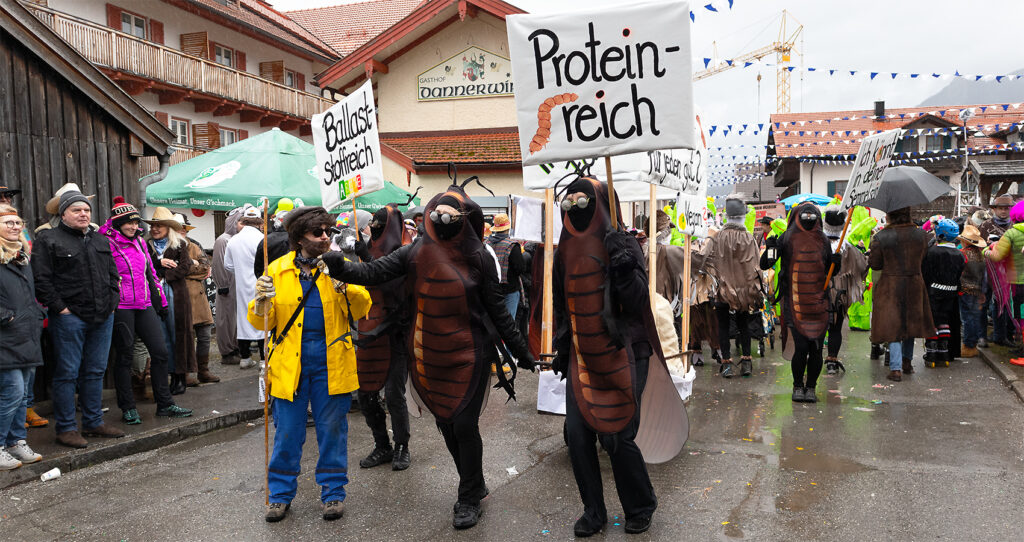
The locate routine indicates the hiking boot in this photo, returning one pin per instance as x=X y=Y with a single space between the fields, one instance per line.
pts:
x=247 y=363
x=637 y=525
x=131 y=417
x=8 y=461
x=191 y=381
x=174 y=411
x=876 y=351
x=401 y=459
x=205 y=376
x=71 y=439
x=466 y=515
x=726 y=369
x=34 y=420
x=333 y=510
x=968 y=352
x=908 y=367
x=810 y=396
x=276 y=511
x=584 y=528
x=798 y=394
x=746 y=366
x=230 y=359
x=895 y=376
x=378 y=456
x=103 y=431
x=831 y=366
x=23 y=453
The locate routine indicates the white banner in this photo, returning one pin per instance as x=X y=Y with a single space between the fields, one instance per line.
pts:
x=872 y=160
x=347 y=142
x=598 y=83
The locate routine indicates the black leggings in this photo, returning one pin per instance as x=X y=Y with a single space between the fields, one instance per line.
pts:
x=835 y=332
x=724 y=328
x=144 y=324
x=245 y=350
x=372 y=403
x=806 y=356
x=462 y=437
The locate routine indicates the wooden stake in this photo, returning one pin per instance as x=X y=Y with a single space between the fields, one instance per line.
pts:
x=355 y=220
x=266 y=372
x=613 y=209
x=547 y=310
x=839 y=247
x=685 y=327
x=652 y=246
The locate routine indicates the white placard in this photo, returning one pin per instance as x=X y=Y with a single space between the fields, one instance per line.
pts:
x=872 y=160
x=528 y=224
x=603 y=82
x=347 y=142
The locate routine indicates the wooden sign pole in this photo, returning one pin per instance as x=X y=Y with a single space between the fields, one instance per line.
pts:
x=355 y=219
x=613 y=209
x=266 y=372
x=547 y=307
x=685 y=316
x=652 y=245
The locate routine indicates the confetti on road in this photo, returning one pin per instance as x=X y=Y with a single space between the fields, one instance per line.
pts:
x=511 y=471
x=860 y=408
x=873 y=401
x=929 y=389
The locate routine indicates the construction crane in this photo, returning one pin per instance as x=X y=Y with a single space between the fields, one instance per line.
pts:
x=783 y=48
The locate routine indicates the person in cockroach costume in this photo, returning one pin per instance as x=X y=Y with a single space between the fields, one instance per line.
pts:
x=457 y=318
x=382 y=358
x=846 y=288
x=806 y=255
x=608 y=348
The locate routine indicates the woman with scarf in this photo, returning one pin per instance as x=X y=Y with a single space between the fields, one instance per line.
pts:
x=173 y=265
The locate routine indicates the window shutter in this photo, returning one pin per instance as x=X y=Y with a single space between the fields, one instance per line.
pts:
x=206 y=135
x=114 y=17
x=156 y=31
x=240 y=61
x=300 y=81
x=162 y=117
x=273 y=71
x=831 y=190
x=195 y=44
x=243 y=134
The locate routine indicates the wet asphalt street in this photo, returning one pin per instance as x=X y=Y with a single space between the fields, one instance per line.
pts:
x=938 y=456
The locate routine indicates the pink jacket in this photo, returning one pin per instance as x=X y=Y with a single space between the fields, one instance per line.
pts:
x=135 y=267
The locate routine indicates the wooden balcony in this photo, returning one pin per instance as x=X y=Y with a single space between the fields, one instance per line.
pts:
x=172 y=69
x=150 y=164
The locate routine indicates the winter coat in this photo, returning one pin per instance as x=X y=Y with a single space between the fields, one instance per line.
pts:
x=21 y=318
x=286 y=362
x=75 y=271
x=901 y=308
x=184 y=334
x=1010 y=244
x=973 y=277
x=196 y=283
x=847 y=286
x=227 y=341
x=989 y=228
x=139 y=283
x=733 y=261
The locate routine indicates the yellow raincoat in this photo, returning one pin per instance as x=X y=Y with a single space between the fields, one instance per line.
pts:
x=341 y=358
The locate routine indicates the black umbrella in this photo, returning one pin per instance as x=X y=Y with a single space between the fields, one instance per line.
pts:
x=906 y=186
x=413 y=211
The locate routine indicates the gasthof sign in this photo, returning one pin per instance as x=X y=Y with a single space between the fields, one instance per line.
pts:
x=472 y=73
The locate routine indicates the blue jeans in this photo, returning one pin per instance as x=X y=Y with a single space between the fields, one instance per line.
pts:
x=512 y=303
x=30 y=389
x=971 y=313
x=331 y=415
x=897 y=351
x=81 y=350
x=13 y=395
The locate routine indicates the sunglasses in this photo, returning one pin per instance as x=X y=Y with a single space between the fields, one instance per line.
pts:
x=444 y=218
x=581 y=202
x=320 y=231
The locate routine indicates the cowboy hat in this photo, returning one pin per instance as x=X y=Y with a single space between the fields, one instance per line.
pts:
x=1004 y=200
x=162 y=216
x=9 y=192
x=180 y=218
x=501 y=223
x=972 y=235
x=53 y=205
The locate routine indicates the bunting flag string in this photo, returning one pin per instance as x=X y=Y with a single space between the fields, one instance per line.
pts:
x=940 y=154
x=712 y=8
x=834 y=143
x=870 y=74
x=725 y=130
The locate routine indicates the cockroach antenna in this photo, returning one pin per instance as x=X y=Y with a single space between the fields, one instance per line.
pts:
x=477 y=179
x=413 y=196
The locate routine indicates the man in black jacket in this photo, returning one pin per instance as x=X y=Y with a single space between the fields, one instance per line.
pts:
x=77 y=280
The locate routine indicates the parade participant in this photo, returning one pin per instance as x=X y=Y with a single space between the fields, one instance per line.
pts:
x=21 y=326
x=202 y=315
x=901 y=311
x=238 y=259
x=174 y=264
x=972 y=299
x=733 y=258
x=76 y=279
x=703 y=320
x=312 y=363
x=1010 y=250
x=991 y=231
x=137 y=314
x=382 y=354
x=458 y=318
x=608 y=347
x=943 y=265
x=227 y=341
x=510 y=261
x=846 y=287
x=806 y=254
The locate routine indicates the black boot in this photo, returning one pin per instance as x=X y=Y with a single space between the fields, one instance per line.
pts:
x=746 y=366
x=798 y=393
x=809 y=395
x=876 y=351
x=177 y=384
x=466 y=515
x=637 y=525
x=584 y=527
x=401 y=459
x=726 y=369
x=378 y=456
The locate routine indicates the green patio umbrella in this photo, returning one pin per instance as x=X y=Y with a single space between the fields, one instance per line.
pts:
x=272 y=164
x=375 y=200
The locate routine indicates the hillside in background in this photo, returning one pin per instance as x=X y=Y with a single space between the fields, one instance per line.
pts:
x=962 y=92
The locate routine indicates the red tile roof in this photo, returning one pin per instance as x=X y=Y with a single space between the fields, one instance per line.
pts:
x=845 y=127
x=345 y=27
x=268 y=21
x=492 y=146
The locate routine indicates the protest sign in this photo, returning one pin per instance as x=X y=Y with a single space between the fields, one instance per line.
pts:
x=601 y=83
x=872 y=160
x=347 y=143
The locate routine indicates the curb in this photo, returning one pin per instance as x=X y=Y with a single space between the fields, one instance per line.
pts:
x=1005 y=374
x=119 y=448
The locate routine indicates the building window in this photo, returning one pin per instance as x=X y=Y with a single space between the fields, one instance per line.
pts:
x=227 y=136
x=224 y=56
x=133 y=24
x=180 y=127
x=289 y=78
x=836 y=187
x=935 y=143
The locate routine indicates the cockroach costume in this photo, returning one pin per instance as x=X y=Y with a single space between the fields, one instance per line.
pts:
x=457 y=317
x=382 y=357
x=608 y=347
x=806 y=255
